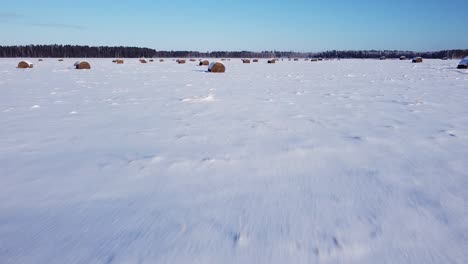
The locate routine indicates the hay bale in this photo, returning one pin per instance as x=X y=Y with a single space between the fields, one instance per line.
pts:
x=204 y=63
x=272 y=61
x=223 y=59
x=255 y=60
x=296 y=59
x=417 y=60
x=216 y=67
x=143 y=60
x=193 y=60
x=181 y=61
x=25 y=65
x=119 y=61
x=82 y=65
x=60 y=60
x=320 y=59
x=313 y=59
x=463 y=64
x=246 y=61
x=151 y=60
x=403 y=58
x=161 y=60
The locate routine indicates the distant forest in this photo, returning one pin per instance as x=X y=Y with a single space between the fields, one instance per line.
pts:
x=70 y=51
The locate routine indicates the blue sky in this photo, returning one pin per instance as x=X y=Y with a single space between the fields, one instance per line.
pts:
x=208 y=25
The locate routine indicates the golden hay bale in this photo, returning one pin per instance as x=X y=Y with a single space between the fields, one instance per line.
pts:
x=246 y=61
x=204 y=63
x=161 y=60
x=255 y=60
x=403 y=58
x=25 y=65
x=82 y=65
x=217 y=67
x=272 y=61
x=417 y=60
x=181 y=61
x=119 y=61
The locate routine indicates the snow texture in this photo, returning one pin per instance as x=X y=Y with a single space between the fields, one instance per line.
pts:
x=350 y=161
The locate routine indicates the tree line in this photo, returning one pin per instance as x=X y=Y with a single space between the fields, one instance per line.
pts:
x=75 y=51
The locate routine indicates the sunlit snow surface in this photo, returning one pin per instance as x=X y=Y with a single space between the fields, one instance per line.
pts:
x=351 y=161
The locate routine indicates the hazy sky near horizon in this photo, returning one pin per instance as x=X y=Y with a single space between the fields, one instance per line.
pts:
x=209 y=25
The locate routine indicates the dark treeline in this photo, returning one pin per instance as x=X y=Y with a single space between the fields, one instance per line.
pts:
x=71 y=51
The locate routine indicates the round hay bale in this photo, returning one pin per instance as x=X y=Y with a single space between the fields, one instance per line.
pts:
x=119 y=61
x=246 y=61
x=403 y=58
x=151 y=60
x=272 y=61
x=143 y=60
x=82 y=65
x=161 y=60
x=181 y=61
x=255 y=60
x=313 y=59
x=417 y=60
x=204 y=63
x=25 y=65
x=60 y=60
x=320 y=59
x=216 y=67
x=463 y=64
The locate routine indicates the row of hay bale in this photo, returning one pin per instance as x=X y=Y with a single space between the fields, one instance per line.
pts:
x=215 y=66
x=79 y=65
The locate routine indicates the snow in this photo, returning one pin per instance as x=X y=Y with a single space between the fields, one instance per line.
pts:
x=350 y=161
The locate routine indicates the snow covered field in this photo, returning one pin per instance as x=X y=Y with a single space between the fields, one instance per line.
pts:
x=351 y=161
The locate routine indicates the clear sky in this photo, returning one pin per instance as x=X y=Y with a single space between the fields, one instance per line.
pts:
x=254 y=25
